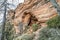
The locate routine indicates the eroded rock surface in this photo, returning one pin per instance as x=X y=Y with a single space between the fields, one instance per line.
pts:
x=31 y=12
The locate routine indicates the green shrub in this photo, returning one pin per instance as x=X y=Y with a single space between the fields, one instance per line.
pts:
x=49 y=34
x=54 y=22
x=35 y=27
x=9 y=31
x=52 y=32
x=0 y=28
x=25 y=37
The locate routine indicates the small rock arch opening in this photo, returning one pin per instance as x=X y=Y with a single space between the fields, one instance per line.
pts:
x=31 y=20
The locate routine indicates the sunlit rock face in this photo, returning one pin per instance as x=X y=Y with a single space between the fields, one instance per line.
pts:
x=44 y=12
x=33 y=12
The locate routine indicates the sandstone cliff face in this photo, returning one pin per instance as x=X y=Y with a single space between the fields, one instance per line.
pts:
x=32 y=12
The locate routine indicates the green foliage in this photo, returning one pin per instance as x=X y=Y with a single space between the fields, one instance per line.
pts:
x=25 y=37
x=0 y=28
x=49 y=34
x=35 y=27
x=52 y=32
x=54 y=22
x=9 y=31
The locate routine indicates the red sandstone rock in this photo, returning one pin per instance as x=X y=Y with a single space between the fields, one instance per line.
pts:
x=39 y=9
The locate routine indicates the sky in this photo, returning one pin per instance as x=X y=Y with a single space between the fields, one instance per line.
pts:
x=15 y=2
